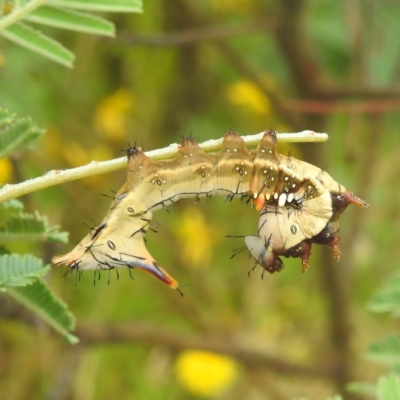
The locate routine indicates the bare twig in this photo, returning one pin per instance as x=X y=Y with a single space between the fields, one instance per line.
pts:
x=355 y=107
x=243 y=350
x=57 y=177
x=188 y=36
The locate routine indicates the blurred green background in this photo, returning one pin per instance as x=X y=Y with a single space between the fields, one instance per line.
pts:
x=203 y=68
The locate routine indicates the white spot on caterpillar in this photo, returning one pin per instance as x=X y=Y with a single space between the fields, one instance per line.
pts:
x=290 y=197
x=276 y=196
x=282 y=200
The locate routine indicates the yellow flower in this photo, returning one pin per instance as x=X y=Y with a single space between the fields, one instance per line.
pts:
x=6 y=170
x=205 y=373
x=111 y=117
x=246 y=93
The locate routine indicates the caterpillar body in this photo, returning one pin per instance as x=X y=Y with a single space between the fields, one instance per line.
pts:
x=299 y=204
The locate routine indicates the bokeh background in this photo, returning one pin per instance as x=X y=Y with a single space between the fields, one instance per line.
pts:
x=203 y=68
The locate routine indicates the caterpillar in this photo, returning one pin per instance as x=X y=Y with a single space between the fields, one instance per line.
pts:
x=299 y=204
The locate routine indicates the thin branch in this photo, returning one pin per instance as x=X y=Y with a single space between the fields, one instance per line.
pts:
x=189 y=36
x=297 y=48
x=346 y=107
x=57 y=177
x=241 y=349
x=364 y=92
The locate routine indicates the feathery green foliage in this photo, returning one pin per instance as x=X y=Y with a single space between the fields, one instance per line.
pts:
x=58 y=14
x=20 y=274
x=385 y=351
x=16 y=132
x=362 y=388
x=38 y=298
x=17 y=225
x=33 y=39
x=387 y=299
x=72 y=20
x=101 y=5
x=17 y=270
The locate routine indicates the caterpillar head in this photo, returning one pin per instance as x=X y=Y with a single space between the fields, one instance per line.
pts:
x=264 y=254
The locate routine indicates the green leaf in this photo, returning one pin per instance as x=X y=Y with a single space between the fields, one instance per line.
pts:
x=388 y=298
x=17 y=270
x=5 y=117
x=15 y=132
x=30 y=227
x=362 y=388
x=39 y=43
x=12 y=205
x=385 y=351
x=39 y=299
x=101 y=5
x=389 y=387
x=72 y=20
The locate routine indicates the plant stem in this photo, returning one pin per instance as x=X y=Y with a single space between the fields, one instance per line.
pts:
x=56 y=177
x=19 y=13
